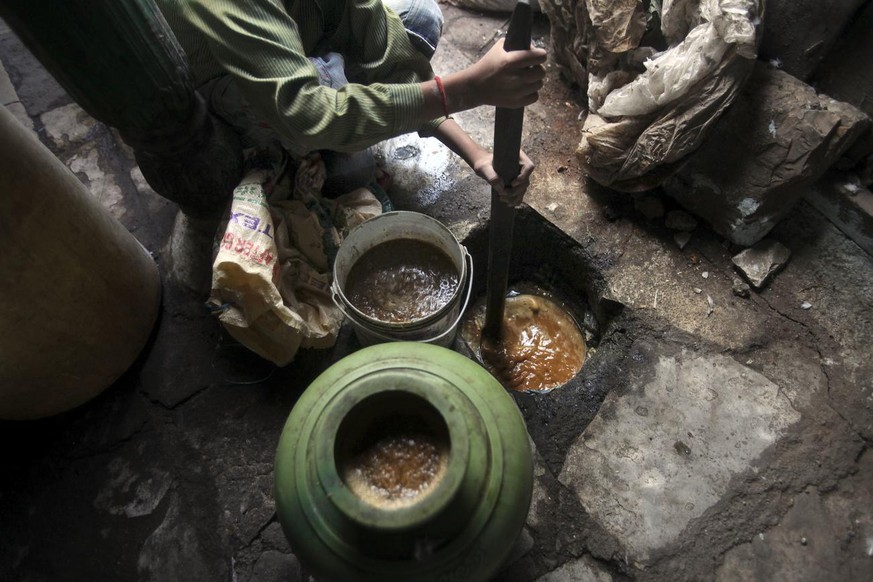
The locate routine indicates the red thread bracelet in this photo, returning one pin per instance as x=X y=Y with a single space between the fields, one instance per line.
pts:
x=442 y=90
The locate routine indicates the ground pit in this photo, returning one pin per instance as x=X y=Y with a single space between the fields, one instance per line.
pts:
x=542 y=344
x=547 y=263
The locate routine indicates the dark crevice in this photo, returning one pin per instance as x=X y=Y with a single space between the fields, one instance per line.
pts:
x=170 y=407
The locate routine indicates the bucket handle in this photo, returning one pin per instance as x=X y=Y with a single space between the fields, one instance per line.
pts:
x=467 y=258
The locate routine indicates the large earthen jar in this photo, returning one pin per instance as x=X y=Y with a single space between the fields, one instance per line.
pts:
x=403 y=461
x=79 y=295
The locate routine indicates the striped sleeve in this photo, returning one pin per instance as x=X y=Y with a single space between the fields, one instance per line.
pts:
x=260 y=44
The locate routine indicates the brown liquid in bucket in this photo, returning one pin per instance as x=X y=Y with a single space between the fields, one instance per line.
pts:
x=396 y=464
x=541 y=346
x=401 y=280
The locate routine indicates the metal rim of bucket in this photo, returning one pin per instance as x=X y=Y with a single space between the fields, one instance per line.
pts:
x=453 y=328
x=407 y=326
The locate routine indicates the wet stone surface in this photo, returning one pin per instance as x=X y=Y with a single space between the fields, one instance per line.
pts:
x=662 y=453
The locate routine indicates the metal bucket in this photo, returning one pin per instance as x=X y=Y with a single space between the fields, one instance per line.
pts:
x=438 y=328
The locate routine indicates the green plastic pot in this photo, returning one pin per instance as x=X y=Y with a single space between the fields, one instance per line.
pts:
x=463 y=527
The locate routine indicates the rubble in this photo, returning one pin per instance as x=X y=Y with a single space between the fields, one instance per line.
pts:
x=774 y=141
x=760 y=262
x=741 y=288
x=680 y=220
x=682 y=239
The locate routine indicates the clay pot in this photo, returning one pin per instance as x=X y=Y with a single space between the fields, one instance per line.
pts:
x=460 y=523
x=79 y=295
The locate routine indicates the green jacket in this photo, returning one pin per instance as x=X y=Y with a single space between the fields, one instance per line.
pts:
x=264 y=45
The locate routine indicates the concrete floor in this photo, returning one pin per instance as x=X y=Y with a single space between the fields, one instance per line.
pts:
x=710 y=437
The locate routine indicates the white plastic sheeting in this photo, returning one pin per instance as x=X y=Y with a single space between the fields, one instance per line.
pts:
x=650 y=106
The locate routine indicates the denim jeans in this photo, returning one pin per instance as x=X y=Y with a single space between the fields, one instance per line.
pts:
x=423 y=21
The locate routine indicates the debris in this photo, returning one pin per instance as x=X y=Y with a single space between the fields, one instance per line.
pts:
x=698 y=290
x=562 y=169
x=680 y=220
x=711 y=305
x=741 y=288
x=803 y=541
x=806 y=305
x=745 y=181
x=682 y=448
x=760 y=262
x=682 y=239
x=705 y=274
x=852 y=188
x=650 y=109
x=649 y=206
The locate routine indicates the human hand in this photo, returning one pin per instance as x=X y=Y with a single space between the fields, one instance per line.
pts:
x=513 y=194
x=507 y=79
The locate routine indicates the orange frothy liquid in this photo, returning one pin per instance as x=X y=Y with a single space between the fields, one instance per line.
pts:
x=401 y=280
x=396 y=468
x=540 y=345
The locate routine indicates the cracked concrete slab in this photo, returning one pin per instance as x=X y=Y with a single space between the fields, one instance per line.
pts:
x=581 y=570
x=826 y=535
x=664 y=452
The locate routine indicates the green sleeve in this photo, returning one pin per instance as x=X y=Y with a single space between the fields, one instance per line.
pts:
x=259 y=43
x=376 y=35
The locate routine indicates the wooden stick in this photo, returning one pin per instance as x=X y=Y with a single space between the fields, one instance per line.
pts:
x=507 y=143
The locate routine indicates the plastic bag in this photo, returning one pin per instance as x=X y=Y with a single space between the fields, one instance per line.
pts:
x=653 y=93
x=271 y=274
x=636 y=153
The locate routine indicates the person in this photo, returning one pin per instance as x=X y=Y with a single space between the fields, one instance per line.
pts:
x=344 y=75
